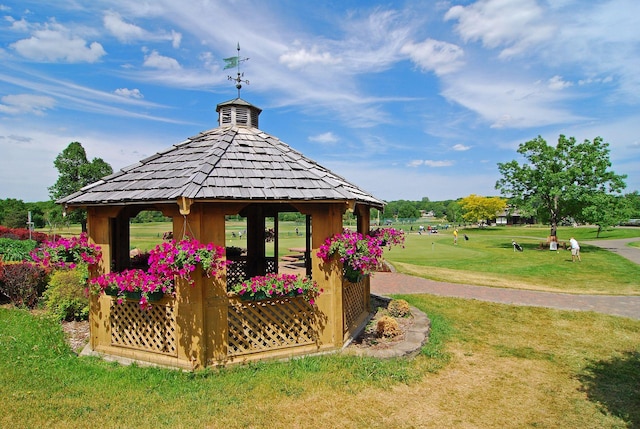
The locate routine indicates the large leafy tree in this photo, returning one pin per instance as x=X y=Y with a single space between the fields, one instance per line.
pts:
x=75 y=172
x=559 y=182
x=477 y=208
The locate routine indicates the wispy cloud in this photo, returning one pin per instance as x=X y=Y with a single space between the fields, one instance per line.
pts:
x=25 y=103
x=430 y=163
x=57 y=43
x=460 y=147
x=327 y=138
x=129 y=93
x=433 y=55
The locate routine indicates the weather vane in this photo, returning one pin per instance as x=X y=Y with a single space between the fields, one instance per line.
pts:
x=232 y=62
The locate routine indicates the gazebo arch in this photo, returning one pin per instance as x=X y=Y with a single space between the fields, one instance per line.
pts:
x=233 y=169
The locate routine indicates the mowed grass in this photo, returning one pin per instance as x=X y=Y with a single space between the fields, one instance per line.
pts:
x=488 y=259
x=145 y=236
x=486 y=365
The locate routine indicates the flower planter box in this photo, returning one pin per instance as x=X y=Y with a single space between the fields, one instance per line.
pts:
x=260 y=296
x=153 y=296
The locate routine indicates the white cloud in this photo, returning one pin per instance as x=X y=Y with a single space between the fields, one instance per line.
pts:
x=56 y=43
x=21 y=25
x=460 y=147
x=25 y=103
x=327 y=137
x=556 y=83
x=437 y=164
x=176 y=39
x=123 y=31
x=129 y=93
x=515 y=24
x=429 y=163
x=157 y=61
x=434 y=55
x=302 y=57
x=127 y=32
x=507 y=102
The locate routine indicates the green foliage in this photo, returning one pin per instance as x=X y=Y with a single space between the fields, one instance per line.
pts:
x=559 y=181
x=150 y=216
x=14 y=213
x=65 y=297
x=606 y=210
x=23 y=283
x=633 y=200
x=75 y=172
x=16 y=250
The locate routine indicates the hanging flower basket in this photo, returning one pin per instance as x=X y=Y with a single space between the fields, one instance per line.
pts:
x=360 y=254
x=180 y=258
x=276 y=286
x=352 y=275
x=166 y=261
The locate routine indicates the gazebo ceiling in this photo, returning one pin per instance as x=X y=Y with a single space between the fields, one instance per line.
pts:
x=231 y=162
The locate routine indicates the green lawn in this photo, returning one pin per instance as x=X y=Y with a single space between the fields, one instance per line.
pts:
x=486 y=365
x=487 y=258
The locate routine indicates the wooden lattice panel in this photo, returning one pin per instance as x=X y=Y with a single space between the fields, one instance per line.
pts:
x=237 y=270
x=270 y=324
x=353 y=301
x=151 y=330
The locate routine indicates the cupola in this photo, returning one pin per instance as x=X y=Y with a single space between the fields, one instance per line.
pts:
x=238 y=112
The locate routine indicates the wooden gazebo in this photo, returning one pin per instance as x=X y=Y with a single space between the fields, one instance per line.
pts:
x=233 y=169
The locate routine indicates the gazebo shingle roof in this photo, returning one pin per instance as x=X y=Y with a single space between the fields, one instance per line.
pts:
x=226 y=163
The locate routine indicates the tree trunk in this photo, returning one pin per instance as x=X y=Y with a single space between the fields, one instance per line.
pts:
x=554 y=217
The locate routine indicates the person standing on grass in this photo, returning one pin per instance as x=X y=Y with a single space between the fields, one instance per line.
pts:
x=575 y=249
x=455 y=236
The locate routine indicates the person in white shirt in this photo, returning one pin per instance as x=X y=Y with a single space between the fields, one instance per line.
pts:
x=575 y=250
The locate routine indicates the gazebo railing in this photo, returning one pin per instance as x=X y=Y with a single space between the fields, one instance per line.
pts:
x=237 y=271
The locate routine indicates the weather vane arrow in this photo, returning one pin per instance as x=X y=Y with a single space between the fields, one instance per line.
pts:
x=232 y=62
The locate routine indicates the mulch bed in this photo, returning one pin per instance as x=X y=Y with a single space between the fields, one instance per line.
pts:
x=369 y=338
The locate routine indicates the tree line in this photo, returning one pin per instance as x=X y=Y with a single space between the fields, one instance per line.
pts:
x=566 y=182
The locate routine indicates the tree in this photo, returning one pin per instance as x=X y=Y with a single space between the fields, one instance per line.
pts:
x=13 y=213
x=75 y=172
x=453 y=211
x=607 y=210
x=477 y=208
x=559 y=182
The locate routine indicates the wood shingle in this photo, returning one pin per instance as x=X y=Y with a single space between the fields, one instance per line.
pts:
x=231 y=162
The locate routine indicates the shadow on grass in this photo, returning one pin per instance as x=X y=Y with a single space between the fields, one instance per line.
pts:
x=614 y=384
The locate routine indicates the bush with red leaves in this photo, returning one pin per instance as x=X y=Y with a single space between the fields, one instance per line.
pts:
x=22 y=234
x=23 y=283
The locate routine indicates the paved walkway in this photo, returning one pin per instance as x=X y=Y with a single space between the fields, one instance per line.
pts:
x=627 y=306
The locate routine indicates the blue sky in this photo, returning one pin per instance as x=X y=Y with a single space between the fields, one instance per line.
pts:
x=406 y=99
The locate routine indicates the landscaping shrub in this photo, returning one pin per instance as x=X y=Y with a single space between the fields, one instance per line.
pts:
x=23 y=283
x=387 y=327
x=22 y=234
x=399 y=308
x=12 y=250
x=65 y=296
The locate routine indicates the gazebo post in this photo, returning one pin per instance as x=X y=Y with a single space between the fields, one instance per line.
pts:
x=99 y=223
x=363 y=218
x=327 y=220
